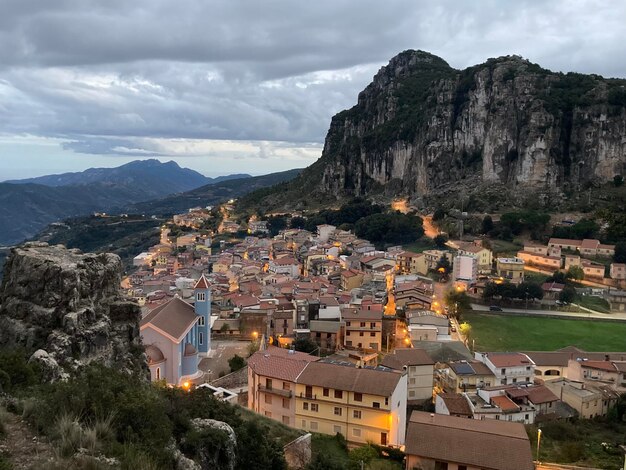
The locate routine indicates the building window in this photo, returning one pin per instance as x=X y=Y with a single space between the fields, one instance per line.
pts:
x=304 y=423
x=200 y=296
x=412 y=394
x=356 y=414
x=158 y=373
x=360 y=333
x=268 y=399
x=526 y=416
x=337 y=411
x=268 y=414
x=315 y=407
x=347 y=323
x=338 y=394
x=356 y=432
x=347 y=333
x=326 y=392
x=503 y=371
x=441 y=465
x=285 y=402
x=201 y=321
x=372 y=334
x=286 y=420
x=386 y=401
x=462 y=467
x=308 y=391
x=200 y=338
x=305 y=406
x=313 y=425
x=372 y=325
x=383 y=438
x=268 y=384
x=286 y=386
x=358 y=396
x=362 y=324
x=412 y=381
x=337 y=429
x=375 y=405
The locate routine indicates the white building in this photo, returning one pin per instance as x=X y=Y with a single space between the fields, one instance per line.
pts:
x=508 y=368
x=465 y=268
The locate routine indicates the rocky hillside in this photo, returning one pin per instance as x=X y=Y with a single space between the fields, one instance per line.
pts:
x=65 y=308
x=423 y=128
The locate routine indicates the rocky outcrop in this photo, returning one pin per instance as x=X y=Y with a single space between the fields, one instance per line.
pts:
x=217 y=456
x=65 y=308
x=421 y=127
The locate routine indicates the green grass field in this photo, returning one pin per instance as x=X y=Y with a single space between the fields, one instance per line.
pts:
x=517 y=333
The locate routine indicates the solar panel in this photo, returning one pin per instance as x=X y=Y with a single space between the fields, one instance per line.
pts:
x=463 y=368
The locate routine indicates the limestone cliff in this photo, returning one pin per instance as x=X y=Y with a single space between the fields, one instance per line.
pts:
x=421 y=125
x=65 y=308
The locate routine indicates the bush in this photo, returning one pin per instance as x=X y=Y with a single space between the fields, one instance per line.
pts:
x=236 y=362
x=15 y=371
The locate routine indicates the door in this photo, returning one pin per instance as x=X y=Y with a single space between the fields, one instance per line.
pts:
x=383 y=438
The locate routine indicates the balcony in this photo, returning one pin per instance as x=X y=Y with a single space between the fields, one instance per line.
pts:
x=309 y=396
x=276 y=391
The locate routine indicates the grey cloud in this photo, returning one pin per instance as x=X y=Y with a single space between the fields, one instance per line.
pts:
x=107 y=75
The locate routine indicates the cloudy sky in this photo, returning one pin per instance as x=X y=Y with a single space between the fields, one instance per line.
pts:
x=229 y=86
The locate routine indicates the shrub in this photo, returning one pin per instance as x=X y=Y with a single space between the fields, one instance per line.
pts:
x=68 y=433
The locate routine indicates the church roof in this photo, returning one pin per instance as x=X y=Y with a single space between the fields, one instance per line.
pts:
x=154 y=355
x=202 y=283
x=173 y=318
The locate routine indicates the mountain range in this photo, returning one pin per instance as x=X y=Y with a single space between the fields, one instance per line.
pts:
x=503 y=133
x=26 y=206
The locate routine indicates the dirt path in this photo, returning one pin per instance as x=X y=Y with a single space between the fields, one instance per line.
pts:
x=21 y=446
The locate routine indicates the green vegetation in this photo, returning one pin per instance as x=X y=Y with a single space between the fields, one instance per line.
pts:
x=391 y=229
x=304 y=344
x=519 y=333
x=345 y=217
x=236 y=362
x=584 y=228
x=507 y=291
x=331 y=453
x=106 y=411
x=594 y=303
x=124 y=236
x=420 y=245
x=563 y=442
x=457 y=301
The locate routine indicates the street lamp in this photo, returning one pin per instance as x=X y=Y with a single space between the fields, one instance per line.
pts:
x=538 y=442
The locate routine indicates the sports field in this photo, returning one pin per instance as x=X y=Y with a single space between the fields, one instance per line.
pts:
x=518 y=333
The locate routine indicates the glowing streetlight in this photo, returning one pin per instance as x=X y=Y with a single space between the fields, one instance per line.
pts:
x=187 y=386
x=255 y=334
x=538 y=442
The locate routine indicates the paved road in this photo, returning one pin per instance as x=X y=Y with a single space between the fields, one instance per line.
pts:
x=553 y=313
x=429 y=228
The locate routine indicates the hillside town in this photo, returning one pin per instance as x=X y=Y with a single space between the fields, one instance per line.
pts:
x=338 y=337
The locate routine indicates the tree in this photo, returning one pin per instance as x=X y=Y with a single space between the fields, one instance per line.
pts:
x=487 y=224
x=558 y=277
x=443 y=266
x=529 y=290
x=440 y=241
x=225 y=328
x=620 y=253
x=236 y=362
x=575 y=272
x=457 y=301
x=439 y=214
x=297 y=222
x=304 y=344
x=465 y=329
x=567 y=295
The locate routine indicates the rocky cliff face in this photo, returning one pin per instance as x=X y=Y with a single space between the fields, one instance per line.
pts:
x=65 y=308
x=421 y=127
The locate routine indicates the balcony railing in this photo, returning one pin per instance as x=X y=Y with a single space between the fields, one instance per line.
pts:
x=276 y=391
x=310 y=396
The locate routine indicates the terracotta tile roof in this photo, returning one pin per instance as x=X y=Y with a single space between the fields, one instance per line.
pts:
x=174 y=318
x=456 y=404
x=504 y=403
x=348 y=378
x=564 y=241
x=599 y=365
x=486 y=443
x=279 y=363
x=549 y=358
x=509 y=359
x=407 y=357
x=202 y=283
x=361 y=314
x=541 y=394
x=590 y=244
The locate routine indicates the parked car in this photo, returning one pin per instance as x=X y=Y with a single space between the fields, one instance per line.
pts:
x=495 y=308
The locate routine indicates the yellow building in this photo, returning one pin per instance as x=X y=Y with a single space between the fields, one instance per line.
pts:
x=511 y=269
x=364 y=327
x=408 y=262
x=365 y=405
